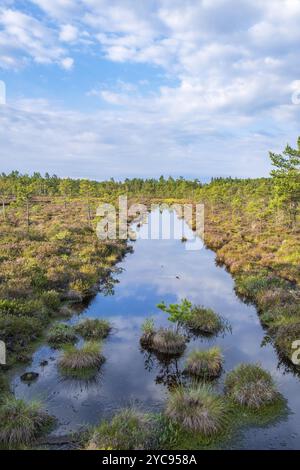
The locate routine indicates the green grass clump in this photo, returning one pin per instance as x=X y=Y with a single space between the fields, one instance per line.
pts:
x=81 y=363
x=169 y=342
x=205 y=364
x=61 y=334
x=148 y=331
x=128 y=430
x=21 y=423
x=285 y=337
x=197 y=409
x=250 y=385
x=93 y=328
x=204 y=321
x=251 y=286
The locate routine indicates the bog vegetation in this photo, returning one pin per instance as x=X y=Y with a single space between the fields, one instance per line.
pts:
x=51 y=259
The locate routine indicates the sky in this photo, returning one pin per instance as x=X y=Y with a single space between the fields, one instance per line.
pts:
x=139 y=88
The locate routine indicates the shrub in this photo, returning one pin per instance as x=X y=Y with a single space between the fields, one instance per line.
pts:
x=21 y=423
x=205 y=364
x=61 y=334
x=21 y=307
x=93 y=328
x=250 y=385
x=167 y=341
x=17 y=330
x=81 y=363
x=204 y=321
x=51 y=299
x=197 y=409
x=178 y=313
x=128 y=430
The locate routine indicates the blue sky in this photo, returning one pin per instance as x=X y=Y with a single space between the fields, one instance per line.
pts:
x=124 y=88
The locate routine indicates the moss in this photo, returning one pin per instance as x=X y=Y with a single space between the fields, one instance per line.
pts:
x=93 y=328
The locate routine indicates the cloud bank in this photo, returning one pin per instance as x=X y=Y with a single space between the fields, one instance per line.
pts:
x=216 y=93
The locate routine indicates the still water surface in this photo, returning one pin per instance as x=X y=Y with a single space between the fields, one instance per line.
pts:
x=161 y=270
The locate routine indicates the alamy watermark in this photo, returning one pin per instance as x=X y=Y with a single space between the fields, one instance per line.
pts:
x=296 y=92
x=296 y=353
x=2 y=353
x=183 y=222
x=2 y=92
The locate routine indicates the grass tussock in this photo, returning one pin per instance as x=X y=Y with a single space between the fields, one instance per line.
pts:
x=128 y=430
x=197 y=409
x=148 y=331
x=81 y=363
x=169 y=342
x=21 y=423
x=60 y=334
x=204 y=321
x=205 y=364
x=93 y=328
x=250 y=385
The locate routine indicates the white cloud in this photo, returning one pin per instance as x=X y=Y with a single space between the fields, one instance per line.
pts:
x=30 y=37
x=68 y=33
x=225 y=94
x=67 y=63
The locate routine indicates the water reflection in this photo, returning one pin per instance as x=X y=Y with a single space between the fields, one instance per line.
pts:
x=160 y=270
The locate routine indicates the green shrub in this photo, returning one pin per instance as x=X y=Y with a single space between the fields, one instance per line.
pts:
x=32 y=307
x=250 y=385
x=93 y=328
x=205 y=364
x=51 y=299
x=197 y=409
x=61 y=334
x=17 y=330
x=21 y=423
